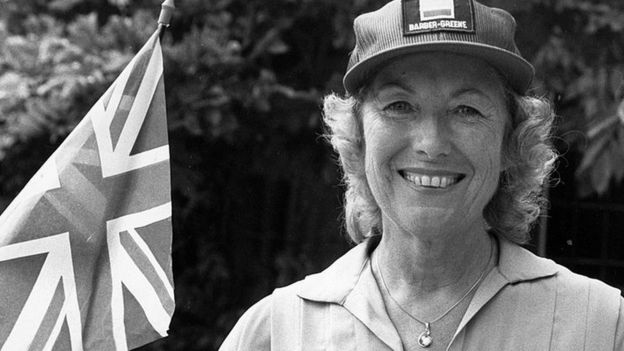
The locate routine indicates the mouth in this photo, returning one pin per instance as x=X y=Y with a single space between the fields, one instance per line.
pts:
x=437 y=181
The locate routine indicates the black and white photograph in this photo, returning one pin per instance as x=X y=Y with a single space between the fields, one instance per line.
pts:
x=283 y=175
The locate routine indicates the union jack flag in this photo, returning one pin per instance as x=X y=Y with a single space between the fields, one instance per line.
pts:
x=85 y=248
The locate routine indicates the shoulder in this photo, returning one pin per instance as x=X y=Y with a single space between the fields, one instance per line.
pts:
x=519 y=265
x=582 y=298
x=619 y=333
x=591 y=307
x=273 y=322
x=573 y=311
x=587 y=291
x=257 y=326
x=252 y=331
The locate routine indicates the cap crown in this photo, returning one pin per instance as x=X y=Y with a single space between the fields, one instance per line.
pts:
x=381 y=35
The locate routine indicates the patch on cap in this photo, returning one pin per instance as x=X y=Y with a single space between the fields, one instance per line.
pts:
x=420 y=16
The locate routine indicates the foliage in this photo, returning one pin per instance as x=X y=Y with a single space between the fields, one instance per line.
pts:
x=581 y=66
x=256 y=193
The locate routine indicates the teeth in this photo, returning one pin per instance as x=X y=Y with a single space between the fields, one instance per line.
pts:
x=444 y=182
x=432 y=182
x=435 y=181
x=425 y=180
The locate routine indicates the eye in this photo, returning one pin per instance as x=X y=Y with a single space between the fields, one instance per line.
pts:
x=467 y=111
x=399 y=107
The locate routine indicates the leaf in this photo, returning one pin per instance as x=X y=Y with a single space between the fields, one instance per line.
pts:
x=620 y=111
x=602 y=126
x=617 y=156
x=593 y=152
x=278 y=47
x=20 y=53
x=14 y=85
x=270 y=40
x=601 y=173
x=63 y=5
x=120 y=3
x=58 y=50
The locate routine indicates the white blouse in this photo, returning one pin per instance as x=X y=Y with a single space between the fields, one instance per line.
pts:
x=525 y=303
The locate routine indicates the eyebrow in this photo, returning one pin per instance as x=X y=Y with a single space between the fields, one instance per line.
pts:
x=470 y=91
x=394 y=83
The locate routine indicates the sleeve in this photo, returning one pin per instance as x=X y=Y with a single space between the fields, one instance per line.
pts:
x=619 y=331
x=253 y=329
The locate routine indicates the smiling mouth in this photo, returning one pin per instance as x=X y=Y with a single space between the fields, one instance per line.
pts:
x=432 y=181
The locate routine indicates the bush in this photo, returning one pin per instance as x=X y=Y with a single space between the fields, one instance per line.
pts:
x=257 y=198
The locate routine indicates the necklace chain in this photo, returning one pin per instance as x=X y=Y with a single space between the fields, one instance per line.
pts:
x=425 y=337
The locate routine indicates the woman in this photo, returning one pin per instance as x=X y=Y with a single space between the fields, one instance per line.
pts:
x=444 y=158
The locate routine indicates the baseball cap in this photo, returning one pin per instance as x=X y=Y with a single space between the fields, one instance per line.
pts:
x=464 y=27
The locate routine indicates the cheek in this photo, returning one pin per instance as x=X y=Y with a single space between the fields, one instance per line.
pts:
x=491 y=151
x=381 y=145
x=485 y=157
x=487 y=145
x=378 y=151
x=485 y=152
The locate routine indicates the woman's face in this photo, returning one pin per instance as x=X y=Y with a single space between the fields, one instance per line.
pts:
x=433 y=129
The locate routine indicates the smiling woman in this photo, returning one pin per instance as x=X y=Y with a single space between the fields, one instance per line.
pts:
x=444 y=157
x=525 y=151
x=432 y=115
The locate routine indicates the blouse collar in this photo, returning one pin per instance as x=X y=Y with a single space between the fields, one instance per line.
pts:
x=334 y=284
x=350 y=283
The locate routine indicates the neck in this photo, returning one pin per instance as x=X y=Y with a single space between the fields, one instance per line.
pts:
x=432 y=267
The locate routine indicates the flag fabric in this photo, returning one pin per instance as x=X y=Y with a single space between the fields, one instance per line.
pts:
x=85 y=248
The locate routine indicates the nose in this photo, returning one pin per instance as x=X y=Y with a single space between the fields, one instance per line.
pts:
x=431 y=137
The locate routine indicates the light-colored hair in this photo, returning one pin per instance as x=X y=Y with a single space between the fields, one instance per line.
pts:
x=516 y=204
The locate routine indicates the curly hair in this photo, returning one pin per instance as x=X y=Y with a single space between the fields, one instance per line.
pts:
x=514 y=207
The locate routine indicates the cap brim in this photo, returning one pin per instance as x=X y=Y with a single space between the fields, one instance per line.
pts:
x=518 y=71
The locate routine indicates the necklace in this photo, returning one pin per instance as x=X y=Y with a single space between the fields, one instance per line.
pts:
x=425 y=339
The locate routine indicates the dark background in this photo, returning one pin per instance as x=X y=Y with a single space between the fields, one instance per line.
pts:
x=256 y=191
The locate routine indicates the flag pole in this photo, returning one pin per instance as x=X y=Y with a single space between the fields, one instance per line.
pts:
x=166 y=12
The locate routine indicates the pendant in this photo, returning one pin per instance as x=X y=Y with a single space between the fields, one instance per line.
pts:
x=425 y=340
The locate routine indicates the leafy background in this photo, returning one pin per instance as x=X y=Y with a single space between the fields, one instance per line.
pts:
x=257 y=194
